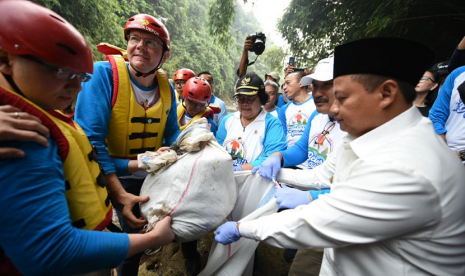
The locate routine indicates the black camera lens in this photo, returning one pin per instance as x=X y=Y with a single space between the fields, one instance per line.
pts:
x=259 y=46
x=258 y=43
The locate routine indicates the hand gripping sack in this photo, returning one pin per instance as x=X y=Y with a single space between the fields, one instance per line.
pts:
x=198 y=191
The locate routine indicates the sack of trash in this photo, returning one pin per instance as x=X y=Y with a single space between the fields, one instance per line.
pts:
x=198 y=190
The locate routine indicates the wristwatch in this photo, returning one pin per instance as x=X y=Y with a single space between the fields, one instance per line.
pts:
x=462 y=155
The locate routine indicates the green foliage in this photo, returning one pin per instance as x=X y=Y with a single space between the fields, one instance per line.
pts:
x=314 y=28
x=194 y=44
x=221 y=14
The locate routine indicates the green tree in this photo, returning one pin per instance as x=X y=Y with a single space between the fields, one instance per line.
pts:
x=314 y=28
x=192 y=45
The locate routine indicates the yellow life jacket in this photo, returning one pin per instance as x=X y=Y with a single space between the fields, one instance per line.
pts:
x=133 y=129
x=181 y=110
x=86 y=193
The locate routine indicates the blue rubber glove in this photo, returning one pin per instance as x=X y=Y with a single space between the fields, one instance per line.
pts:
x=227 y=233
x=289 y=198
x=316 y=194
x=237 y=168
x=270 y=167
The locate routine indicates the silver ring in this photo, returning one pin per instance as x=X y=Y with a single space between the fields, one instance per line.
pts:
x=17 y=115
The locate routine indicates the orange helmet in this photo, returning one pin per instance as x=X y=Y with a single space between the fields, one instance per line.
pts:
x=149 y=24
x=197 y=90
x=40 y=32
x=183 y=74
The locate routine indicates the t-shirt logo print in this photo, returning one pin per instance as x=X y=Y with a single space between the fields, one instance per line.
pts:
x=235 y=147
x=299 y=119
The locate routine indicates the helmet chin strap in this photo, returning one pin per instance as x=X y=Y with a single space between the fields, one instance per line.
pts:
x=13 y=85
x=140 y=74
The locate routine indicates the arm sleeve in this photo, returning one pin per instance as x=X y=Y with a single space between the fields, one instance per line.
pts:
x=221 y=132
x=457 y=59
x=274 y=140
x=223 y=113
x=440 y=110
x=172 y=130
x=318 y=178
x=93 y=113
x=335 y=219
x=282 y=117
x=36 y=232
x=212 y=126
x=298 y=153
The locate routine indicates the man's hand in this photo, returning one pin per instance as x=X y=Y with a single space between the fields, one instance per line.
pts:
x=248 y=45
x=128 y=201
x=270 y=167
x=289 y=198
x=227 y=233
x=17 y=125
x=163 y=231
x=289 y=69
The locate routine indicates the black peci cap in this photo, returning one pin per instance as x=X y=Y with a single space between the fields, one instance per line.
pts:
x=391 y=57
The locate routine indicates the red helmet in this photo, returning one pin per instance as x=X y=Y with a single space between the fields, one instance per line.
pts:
x=183 y=74
x=197 y=90
x=39 y=32
x=149 y=24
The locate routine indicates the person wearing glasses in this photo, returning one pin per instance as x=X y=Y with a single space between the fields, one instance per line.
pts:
x=427 y=91
x=53 y=196
x=271 y=88
x=129 y=108
x=180 y=78
x=250 y=134
x=195 y=103
x=396 y=202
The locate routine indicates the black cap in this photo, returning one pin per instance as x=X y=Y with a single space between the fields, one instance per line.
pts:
x=391 y=57
x=441 y=68
x=250 y=84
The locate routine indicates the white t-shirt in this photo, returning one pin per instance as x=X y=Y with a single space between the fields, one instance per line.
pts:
x=245 y=143
x=297 y=116
x=321 y=145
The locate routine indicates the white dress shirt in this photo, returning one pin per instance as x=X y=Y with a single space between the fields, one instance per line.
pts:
x=396 y=205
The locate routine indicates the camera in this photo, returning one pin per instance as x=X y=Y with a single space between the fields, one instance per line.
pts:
x=259 y=40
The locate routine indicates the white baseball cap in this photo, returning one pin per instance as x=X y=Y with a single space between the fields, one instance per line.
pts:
x=323 y=72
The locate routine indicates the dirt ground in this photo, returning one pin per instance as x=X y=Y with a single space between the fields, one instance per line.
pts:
x=170 y=261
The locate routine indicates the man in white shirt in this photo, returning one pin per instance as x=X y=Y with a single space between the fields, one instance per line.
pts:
x=396 y=202
x=295 y=115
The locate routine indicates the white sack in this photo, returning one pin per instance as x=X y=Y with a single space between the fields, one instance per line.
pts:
x=255 y=198
x=198 y=190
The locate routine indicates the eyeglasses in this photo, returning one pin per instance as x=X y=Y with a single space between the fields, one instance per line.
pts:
x=61 y=73
x=149 y=43
x=320 y=139
x=248 y=100
x=425 y=78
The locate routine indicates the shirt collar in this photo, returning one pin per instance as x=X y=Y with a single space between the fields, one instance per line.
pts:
x=380 y=136
x=261 y=116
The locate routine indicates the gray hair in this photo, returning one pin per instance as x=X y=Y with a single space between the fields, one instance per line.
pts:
x=274 y=84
